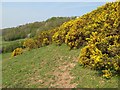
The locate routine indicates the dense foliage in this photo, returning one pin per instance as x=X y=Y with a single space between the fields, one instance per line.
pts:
x=59 y=36
x=30 y=44
x=102 y=51
x=17 y=51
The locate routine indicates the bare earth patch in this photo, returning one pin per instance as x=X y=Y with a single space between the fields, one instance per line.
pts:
x=63 y=77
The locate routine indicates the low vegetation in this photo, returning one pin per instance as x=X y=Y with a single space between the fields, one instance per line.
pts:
x=50 y=67
x=17 y=51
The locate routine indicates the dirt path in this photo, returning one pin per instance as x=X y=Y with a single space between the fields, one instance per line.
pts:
x=63 y=77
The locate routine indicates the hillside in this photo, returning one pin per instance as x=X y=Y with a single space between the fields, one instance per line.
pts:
x=83 y=52
x=22 y=31
x=12 y=38
x=50 y=66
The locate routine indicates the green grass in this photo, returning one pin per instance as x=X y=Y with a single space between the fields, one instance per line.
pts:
x=9 y=46
x=36 y=69
x=87 y=78
x=9 y=42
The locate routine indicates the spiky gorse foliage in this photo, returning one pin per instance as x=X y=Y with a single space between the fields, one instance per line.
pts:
x=30 y=43
x=59 y=36
x=74 y=39
x=17 y=51
x=102 y=53
x=45 y=42
x=44 y=38
x=41 y=38
x=103 y=48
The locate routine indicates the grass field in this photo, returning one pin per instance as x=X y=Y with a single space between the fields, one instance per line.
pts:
x=50 y=66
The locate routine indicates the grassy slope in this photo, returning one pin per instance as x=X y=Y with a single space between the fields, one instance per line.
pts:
x=50 y=66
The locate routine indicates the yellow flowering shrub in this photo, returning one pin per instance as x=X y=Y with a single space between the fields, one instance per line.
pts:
x=107 y=74
x=17 y=51
x=102 y=53
x=45 y=42
x=45 y=37
x=74 y=38
x=30 y=43
x=59 y=36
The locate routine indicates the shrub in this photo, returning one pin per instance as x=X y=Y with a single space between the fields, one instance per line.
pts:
x=44 y=38
x=102 y=53
x=17 y=51
x=107 y=74
x=59 y=36
x=74 y=38
x=45 y=42
x=30 y=43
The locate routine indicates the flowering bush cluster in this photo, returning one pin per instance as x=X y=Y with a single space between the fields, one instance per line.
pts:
x=44 y=38
x=17 y=51
x=45 y=42
x=30 y=43
x=102 y=53
x=59 y=36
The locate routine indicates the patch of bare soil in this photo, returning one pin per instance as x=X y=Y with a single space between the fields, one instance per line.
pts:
x=63 y=77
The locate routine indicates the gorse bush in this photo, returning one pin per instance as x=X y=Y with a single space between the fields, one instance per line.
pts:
x=30 y=43
x=44 y=38
x=102 y=53
x=74 y=38
x=59 y=36
x=17 y=51
x=45 y=42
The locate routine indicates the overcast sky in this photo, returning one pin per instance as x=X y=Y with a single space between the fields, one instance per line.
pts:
x=18 y=13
